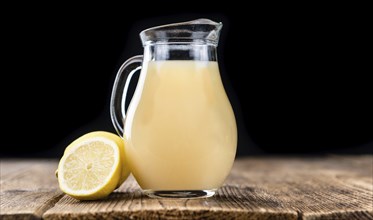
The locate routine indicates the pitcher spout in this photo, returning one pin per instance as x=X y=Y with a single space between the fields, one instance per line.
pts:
x=202 y=30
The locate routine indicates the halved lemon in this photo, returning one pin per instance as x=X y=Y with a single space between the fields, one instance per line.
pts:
x=125 y=171
x=93 y=166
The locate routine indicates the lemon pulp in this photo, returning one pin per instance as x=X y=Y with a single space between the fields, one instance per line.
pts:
x=93 y=166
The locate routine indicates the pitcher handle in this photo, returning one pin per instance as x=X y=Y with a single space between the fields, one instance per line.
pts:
x=119 y=92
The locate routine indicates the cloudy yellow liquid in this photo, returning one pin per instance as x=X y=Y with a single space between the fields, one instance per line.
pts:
x=180 y=130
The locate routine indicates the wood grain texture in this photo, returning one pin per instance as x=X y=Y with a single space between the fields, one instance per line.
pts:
x=27 y=188
x=129 y=203
x=317 y=188
x=27 y=204
x=324 y=187
x=28 y=175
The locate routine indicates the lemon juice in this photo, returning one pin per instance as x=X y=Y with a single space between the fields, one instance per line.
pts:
x=180 y=131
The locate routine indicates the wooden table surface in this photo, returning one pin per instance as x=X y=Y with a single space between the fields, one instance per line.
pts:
x=324 y=187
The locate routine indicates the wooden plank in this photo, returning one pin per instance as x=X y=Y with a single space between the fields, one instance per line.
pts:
x=317 y=188
x=337 y=187
x=257 y=188
x=27 y=204
x=27 y=188
x=28 y=174
x=128 y=202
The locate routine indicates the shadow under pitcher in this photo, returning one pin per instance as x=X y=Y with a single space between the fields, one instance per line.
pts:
x=179 y=131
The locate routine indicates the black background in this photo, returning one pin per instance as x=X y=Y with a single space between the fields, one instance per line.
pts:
x=297 y=76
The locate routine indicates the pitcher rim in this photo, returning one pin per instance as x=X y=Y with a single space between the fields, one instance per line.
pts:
x=198 y=31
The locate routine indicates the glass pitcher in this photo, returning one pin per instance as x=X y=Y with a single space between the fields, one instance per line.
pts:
x=179 y=130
